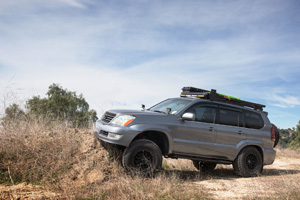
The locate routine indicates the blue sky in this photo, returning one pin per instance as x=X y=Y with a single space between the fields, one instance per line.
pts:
x=122 y=54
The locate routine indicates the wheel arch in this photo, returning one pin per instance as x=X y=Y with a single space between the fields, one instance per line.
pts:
x=254 y=146
x=158 y=137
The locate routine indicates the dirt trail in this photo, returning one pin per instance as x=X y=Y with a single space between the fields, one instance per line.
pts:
x=280 y=179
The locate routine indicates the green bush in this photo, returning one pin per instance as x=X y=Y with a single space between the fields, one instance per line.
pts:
x=296 y=141
x=62 y=105
x=290 y=137
x=13 y=113
x=286 y=137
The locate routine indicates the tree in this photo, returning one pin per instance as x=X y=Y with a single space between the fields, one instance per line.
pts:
x=296 y=142
x=13 y=113
x=286 y=137
x=62 y=105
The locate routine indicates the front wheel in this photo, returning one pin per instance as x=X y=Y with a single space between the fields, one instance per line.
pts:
x=248 y=163
x=142 y=156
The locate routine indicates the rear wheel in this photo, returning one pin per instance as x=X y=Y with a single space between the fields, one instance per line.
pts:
x=204 y=166
x=248 y=163
x=142 y=156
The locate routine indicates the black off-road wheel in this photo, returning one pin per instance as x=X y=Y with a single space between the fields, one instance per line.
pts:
x=142 y=157
x=248 y=163
x=204 y=166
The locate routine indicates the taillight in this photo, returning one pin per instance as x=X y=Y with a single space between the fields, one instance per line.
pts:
x=273 y=133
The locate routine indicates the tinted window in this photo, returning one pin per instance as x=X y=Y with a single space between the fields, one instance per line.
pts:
x=229 y=117
x=253 y=120
x=204 y=113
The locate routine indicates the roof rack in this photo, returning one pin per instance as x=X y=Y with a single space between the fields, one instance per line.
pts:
x=214 y=96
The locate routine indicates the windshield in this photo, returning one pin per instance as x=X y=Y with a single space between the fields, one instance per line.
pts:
x=174 y=104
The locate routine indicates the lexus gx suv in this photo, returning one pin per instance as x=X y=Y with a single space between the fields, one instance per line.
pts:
x=204 y=126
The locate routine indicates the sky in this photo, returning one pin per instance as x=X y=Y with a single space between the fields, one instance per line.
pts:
x=121 y=54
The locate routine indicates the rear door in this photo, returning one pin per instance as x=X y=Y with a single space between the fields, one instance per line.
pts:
x=231 y=134
x=197 y=137
x=253 y=126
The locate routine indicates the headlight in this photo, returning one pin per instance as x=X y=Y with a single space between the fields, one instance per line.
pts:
x=123 y=120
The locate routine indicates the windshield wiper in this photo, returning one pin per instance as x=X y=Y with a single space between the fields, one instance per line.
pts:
x=159 y=111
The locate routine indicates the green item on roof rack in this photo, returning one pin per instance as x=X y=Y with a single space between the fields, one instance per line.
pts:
x=232 y=97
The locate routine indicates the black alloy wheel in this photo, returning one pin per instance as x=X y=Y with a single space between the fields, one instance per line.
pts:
x=143 y=160
x=251 y=161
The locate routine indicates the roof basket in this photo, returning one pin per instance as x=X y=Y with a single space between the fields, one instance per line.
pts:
x=214 y=96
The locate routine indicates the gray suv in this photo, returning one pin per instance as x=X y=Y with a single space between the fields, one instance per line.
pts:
x=204 y=126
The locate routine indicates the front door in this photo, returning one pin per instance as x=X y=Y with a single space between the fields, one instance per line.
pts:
x=197 y=137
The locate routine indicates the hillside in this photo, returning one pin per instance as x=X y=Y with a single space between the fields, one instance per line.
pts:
x=61 y=163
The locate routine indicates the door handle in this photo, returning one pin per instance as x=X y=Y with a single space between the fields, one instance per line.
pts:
x=240 y=133
x=211 y=129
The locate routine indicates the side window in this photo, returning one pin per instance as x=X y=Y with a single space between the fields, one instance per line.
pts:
x=230 y=117
x=204 y=113
x=253 y=120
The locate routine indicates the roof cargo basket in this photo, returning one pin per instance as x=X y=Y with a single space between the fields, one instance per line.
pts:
x=214 y=96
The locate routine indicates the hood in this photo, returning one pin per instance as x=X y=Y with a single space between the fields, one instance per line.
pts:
x=135 y=112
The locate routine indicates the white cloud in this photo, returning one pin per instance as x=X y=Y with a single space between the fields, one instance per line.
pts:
x=213 y=14
x=286 y=101
x=73 y=3
x=28 y=7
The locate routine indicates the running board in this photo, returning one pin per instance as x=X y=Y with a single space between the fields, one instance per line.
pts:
x=213 y=160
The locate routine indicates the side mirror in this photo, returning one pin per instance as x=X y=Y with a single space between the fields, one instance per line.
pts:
x=143 y=106
x=168 y=110
x=189 y=116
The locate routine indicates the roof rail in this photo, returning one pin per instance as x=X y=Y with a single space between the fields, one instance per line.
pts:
x=214 y=96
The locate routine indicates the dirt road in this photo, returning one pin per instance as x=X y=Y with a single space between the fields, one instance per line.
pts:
x=282 y=179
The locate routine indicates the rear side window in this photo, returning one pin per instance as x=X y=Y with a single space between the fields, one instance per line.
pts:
x=230 y=117
x=253 y=120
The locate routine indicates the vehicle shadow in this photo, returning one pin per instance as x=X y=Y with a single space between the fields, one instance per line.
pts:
x=223 y=173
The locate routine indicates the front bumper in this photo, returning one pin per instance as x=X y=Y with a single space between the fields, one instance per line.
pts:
x=127 y=134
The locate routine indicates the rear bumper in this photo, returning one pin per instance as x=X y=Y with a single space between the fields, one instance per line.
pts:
x=269 y=156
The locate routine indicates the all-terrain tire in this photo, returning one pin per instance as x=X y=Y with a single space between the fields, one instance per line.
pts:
x=204 y=166
x=248 y=163
x=142 y=156
x=276 y=135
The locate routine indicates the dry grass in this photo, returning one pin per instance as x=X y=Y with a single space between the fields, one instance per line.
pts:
x=54 y=162
x=286 y=152
x=72 y=164
x=33 y=152
x=163 y=186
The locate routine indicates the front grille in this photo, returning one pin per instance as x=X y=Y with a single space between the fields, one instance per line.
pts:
x=108 y=116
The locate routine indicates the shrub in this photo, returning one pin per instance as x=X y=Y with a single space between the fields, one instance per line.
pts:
x=296 y=142
x=32 y=152
x=13 y=113
x=62 y=105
